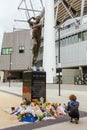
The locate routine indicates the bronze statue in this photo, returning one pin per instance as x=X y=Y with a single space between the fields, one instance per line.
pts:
x=36 y=25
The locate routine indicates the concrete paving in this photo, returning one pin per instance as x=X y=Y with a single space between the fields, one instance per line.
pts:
x=52 y=95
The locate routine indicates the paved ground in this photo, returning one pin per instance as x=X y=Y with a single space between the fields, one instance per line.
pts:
x=52 y=93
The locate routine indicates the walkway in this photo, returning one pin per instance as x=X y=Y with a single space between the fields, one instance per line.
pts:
x=53 y=96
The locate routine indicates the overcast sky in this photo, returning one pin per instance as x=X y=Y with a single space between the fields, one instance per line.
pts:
x=8 y=13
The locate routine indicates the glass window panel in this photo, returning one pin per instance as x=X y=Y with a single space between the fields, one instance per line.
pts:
x=79 y=36
x=10 y=49
x=76 y=38
x=85 y=35
x=63 y=42
x=21 y=49
x=66 y=40
x=82 y=36
x=69 y=40
x=72 y=39
x=3 y=51
x=6 y=50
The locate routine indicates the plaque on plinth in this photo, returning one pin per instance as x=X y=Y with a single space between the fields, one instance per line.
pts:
x=34 y=85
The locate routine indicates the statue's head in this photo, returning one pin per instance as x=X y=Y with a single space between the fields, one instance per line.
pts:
x=38 y=19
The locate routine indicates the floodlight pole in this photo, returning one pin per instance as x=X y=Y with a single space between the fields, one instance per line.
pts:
x=10 y=63
x=9 y=69
x=59 y=64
